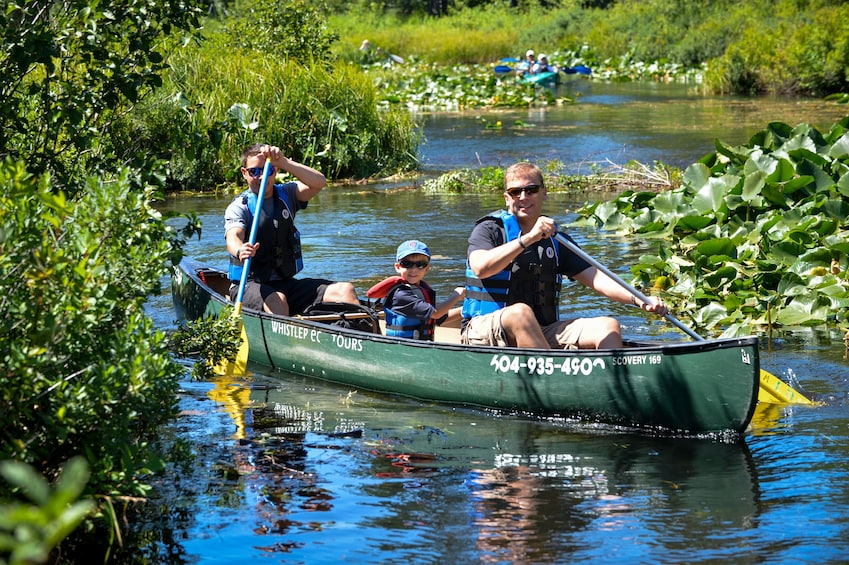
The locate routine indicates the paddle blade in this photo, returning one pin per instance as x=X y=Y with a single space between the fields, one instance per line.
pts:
x=510 y=60
x=501 y=69
x=583 y=70
x=239 y=365
x=773 y=390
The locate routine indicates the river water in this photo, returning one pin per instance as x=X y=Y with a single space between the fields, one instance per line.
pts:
x=287 y=469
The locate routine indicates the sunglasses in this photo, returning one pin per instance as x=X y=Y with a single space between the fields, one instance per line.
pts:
x=256 y=171
x=407 y=264
x=516 y=191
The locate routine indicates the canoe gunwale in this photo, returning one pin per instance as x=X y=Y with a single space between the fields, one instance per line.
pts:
x=632 y=346
x=725 y=400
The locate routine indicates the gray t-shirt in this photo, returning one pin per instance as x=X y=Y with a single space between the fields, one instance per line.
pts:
x=239 y=214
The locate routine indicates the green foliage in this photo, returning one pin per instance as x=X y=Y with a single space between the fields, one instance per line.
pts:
x=800 y=52
x=218 y=100
x=294 y=29
x=209 y=340
x=69 y=69
x=84 y=369
x=750 y=47
x=760 y=233
x=29 y=532
x=459 y=182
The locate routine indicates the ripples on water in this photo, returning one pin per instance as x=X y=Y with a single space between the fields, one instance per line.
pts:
x=292 y=470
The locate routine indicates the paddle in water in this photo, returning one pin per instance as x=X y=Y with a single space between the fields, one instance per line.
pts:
x=771 y=389
x=239 y=365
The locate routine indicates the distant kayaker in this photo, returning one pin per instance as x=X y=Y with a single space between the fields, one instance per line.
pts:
x=514 y=271
x=527 y=66
x=543 y=66
x=409 y=303
x=271 y=284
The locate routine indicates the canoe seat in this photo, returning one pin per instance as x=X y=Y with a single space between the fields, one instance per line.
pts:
x=351 y=316
x=443 y=334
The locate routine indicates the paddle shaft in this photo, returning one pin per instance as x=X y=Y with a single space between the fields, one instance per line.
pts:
x=771 y=388
x=252 y=237
x=580 y=253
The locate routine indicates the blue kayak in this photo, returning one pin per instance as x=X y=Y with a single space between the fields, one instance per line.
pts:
x=547 y=78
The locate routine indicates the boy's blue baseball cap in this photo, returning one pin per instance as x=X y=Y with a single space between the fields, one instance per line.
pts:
x=411 y=247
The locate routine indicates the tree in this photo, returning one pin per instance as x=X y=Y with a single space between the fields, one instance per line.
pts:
x=69 y=69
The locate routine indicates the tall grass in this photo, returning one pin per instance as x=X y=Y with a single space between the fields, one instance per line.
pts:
x=776 y=46
x=468 y=36
x=326 y=117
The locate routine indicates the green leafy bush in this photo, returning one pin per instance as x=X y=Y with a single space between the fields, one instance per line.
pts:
x=69 y=69
x=294 y=29
x=29 y=531
x=85 y=372
x=758 y=234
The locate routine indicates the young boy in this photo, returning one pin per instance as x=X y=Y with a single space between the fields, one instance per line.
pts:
x=410 y=303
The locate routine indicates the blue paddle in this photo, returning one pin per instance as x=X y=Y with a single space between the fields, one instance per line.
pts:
x=577 y=69
x=501 y=69
x=239 y=365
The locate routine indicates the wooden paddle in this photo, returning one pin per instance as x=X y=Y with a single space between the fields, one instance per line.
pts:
x=772 y=389
x=239 y=365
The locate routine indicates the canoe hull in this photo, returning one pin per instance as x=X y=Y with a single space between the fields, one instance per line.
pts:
x=694 y=387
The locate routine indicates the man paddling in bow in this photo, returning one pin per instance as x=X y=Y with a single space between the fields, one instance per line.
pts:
x=272 y=286
x=514 y=271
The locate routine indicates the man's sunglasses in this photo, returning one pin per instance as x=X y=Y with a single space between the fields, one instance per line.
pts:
x=257 y=171
x=517 y=191
x=407 y=264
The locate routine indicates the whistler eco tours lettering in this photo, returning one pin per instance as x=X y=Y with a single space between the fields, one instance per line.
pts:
x=315 y=336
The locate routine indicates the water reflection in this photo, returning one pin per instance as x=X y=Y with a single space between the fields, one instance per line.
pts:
x=459 y=485
x=618 y=122
x=294 y=470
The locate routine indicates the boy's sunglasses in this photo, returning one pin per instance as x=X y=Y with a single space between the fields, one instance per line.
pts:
x=517 y=191
x=256 y=171
x=407 y=264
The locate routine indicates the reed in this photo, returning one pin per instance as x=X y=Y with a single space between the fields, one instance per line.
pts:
x=216 y=100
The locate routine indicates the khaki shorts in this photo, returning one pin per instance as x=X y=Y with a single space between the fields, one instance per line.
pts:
x=487 y=330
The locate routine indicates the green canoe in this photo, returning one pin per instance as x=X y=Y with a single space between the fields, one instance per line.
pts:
x=691 y=387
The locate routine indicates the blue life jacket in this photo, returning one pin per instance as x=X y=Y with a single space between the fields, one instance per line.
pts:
x=531 y=278
x=280 y=251
x=398 y=325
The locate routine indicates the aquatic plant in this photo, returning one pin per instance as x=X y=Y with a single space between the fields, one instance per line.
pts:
x=427 y=86
x=756 y=236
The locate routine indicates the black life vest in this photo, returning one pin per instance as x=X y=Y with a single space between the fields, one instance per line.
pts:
x=531 y=278
x=280 y=251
